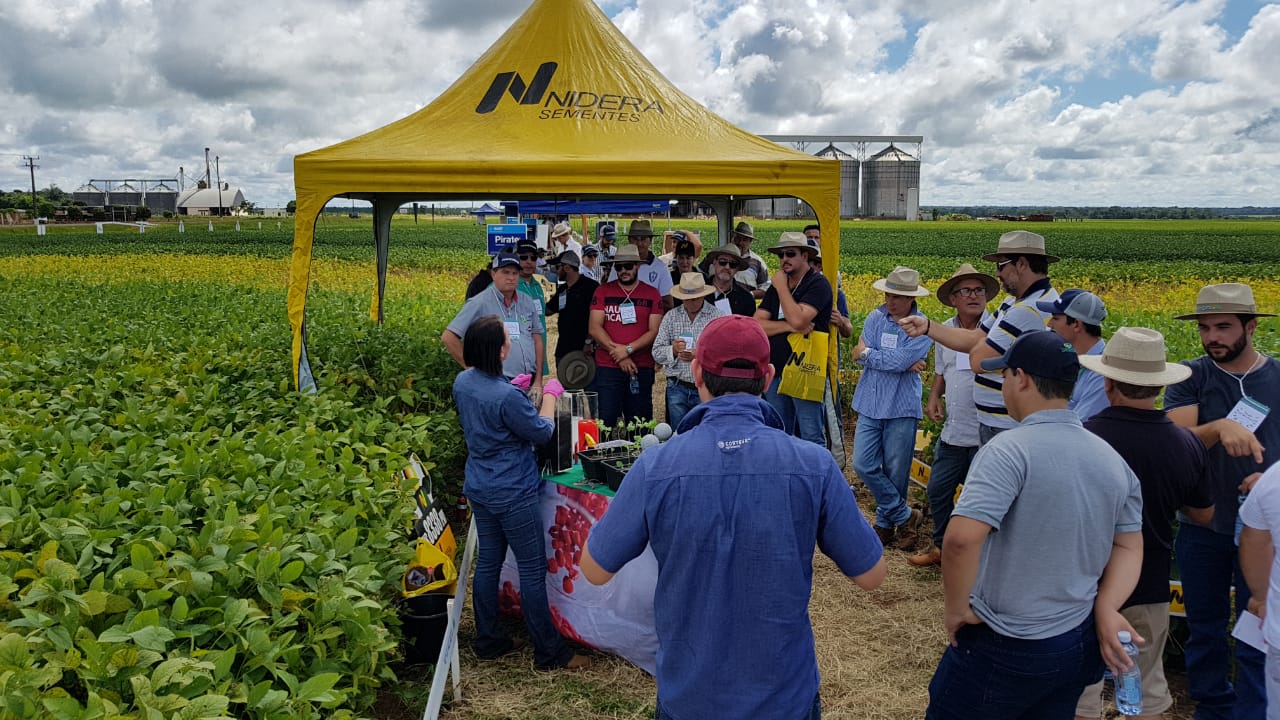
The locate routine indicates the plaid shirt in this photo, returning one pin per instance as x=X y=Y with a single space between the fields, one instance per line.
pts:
x=674 y=324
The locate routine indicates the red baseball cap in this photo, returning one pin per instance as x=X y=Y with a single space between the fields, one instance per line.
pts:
x=733 y=337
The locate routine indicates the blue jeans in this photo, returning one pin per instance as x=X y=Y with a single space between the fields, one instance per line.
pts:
x=815 y=712
x=1208 y=563
x=613 y=387
x=804 y=418
x=994 y=677
x=882 y=451
x=950 y=465
x=986 y=432
x=680 y=400
x=519 y=525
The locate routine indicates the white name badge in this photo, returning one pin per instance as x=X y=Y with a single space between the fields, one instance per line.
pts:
x=563 y=297
x=888 y=341
x=688 y=341
x=1250 y=413
x=962 y=362
x=513 y=328
x=627 y=311
x=780 y=315
x=723 y=306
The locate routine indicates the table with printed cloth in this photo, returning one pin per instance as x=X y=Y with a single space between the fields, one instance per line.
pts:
x=616 y=617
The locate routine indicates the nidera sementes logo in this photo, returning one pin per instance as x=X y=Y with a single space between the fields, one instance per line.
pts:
x=564 y=104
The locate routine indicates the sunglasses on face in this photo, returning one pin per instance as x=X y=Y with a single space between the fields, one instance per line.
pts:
x=791 y=253
x=528 y=257
x=969 y=292
x=1000 y=265
x=725 y=263
x=625 y=266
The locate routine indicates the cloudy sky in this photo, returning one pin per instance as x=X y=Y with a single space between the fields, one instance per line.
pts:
x=1083 y=102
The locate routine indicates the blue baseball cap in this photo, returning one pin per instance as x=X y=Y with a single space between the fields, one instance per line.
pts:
x=505 y=259
x=1043 y=353
x=1076 y=303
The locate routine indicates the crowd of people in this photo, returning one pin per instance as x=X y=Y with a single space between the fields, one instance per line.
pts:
x=1072 y=474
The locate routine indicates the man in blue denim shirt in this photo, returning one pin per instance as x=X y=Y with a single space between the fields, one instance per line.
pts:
x=887 y=400
x=733 y=508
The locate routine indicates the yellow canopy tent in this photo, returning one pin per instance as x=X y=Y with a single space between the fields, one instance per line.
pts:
x=562 y=105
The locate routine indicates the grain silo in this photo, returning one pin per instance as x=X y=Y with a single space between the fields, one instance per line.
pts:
x=891 y=179
x=848 y=179
x=89 y=195
x=757 y=208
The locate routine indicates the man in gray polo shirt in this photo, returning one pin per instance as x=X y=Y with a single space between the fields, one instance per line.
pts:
x=1043 y=548
x=520 y=314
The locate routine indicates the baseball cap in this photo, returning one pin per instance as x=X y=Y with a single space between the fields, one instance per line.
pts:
x=1043 y=353
x=733 y=337
x=1076 y=303
x=568 y=257
x=609 y=231
x=685 y=247
x=525 y=246
x=590 y=250
x=505 y=259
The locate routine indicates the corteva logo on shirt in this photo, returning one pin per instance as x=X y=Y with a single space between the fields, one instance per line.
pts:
x=563 y=104
x=732 y=444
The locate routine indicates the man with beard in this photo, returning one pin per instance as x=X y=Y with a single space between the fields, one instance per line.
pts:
x=573 y=302
x=625 y=316
x=1227 y=402
x=651 y=270
x=1022 y=266
x=730 y=297
x=799 y=300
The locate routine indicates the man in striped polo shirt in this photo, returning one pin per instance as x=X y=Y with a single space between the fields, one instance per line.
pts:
x=1022 y=266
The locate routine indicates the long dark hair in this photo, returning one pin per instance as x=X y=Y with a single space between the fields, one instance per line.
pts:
x=482 y=345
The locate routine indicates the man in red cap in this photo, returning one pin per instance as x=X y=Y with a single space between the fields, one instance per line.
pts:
x=708 y=500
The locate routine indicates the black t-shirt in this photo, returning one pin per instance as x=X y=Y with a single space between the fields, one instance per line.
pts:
x=575 y=316
x=813 y=290
x=482 y=280
x=1172 y=466
x=741 y=301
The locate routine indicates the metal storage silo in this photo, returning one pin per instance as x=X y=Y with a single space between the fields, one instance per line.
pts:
x=89 y=195
x=757 y=208
x=125 y=194
x=848 y=179
x=889 y=175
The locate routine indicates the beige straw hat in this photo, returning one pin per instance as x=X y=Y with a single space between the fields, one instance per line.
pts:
x=1225 y=299
x=692 y=285
x=902 y=281
x=967 y=272
x=727 y=249
x=1019 y=242
x=1136 y=356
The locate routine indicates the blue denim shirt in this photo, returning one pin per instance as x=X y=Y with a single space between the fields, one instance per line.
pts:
x=887 y=389
x=501 y=428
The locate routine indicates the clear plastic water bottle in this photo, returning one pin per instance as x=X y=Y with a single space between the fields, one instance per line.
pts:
x=1129 y=682
x=635 y=385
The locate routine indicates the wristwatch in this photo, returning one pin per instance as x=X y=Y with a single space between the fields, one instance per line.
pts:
x=862 y=356
x=630 y=350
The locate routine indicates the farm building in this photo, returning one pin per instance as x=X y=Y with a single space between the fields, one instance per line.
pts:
x=210 y=201
x=158 y=195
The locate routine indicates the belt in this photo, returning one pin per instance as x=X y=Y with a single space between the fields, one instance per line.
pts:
x=682 y=383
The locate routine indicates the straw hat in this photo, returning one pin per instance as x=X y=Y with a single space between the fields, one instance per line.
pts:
x=902 y=281
x=727 y=249
x=640 y=228
x=966 y=272
x=1225 y=298
x=1136 y=356
x=793 y=240
x=745 y=230
x=1020 y=242
x=627 y=253
x=692 y=285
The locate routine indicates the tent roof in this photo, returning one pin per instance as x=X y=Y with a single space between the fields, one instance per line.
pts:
x=487 y=209
x=562 y=103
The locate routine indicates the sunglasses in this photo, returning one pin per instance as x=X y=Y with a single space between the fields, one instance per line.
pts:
x=528 y=257
x=1000 y=265
x=625 y=265
x=969 y=292
x=791 y=253
x=724 y=262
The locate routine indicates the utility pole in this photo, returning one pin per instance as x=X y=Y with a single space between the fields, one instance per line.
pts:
x=217 y=170
x=31 y=164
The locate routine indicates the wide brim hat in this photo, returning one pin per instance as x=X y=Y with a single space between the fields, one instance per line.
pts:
x=793 y=240
x=727 y=249
x=962 y=273
x=692 y=285
x=640 y=228
x=902 y=281
x=745 y=229
x=1020 y=242
x=1136 y=356
x=1225 y=299
x=575 y=370
x=627 y=253
x=560 y=230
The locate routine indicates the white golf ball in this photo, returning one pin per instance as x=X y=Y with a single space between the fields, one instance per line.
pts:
x=662 y=431
x=648 y=441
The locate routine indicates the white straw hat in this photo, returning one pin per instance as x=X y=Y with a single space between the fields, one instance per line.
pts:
x=1136 y=356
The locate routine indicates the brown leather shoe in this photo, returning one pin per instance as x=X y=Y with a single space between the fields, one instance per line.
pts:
x=885 y=534
x=908 y=531
x=578 y=662
x=926 y=558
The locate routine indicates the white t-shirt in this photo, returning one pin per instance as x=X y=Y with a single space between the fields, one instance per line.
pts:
x=655 y=273
x=1261 y=511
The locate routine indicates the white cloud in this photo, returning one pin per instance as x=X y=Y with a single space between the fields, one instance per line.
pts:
x=1089 y=102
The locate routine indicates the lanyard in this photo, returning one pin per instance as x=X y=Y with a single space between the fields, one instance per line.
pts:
x=1240 y=378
